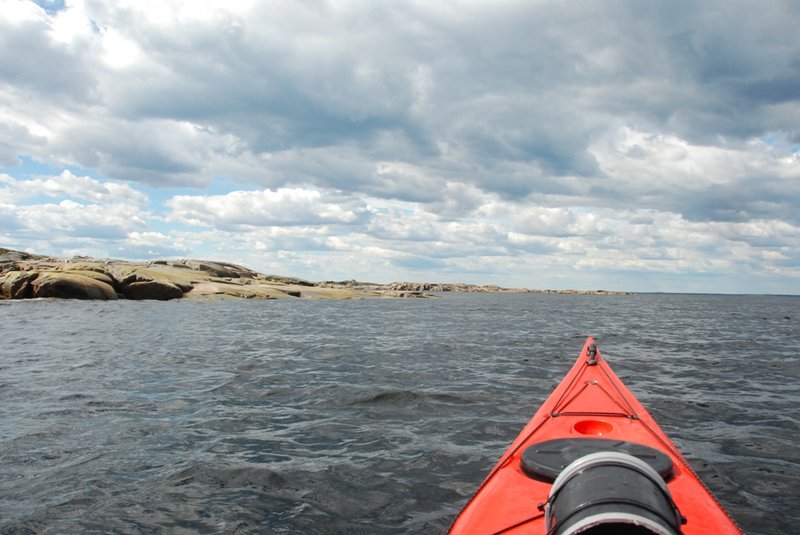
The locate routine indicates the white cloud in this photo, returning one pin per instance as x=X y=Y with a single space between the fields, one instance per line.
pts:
x=664 y=172
x=473 y=136
x=120 y=51
x=245 y=209
x=72 y=26
x=84 y=220
x=69 y=186
x=153 y=245
x=54 y=209
x=18 y=12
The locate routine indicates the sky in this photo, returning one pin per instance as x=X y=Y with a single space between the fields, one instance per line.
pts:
x=619 y=145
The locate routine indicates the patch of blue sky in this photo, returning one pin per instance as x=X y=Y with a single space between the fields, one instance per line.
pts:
x=222 y=185
x=781 y=141
x=51 y=6
x=219 y=185
x=31 y=168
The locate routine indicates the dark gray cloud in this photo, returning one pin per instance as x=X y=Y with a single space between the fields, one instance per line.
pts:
x=506 y=97
x=503 y=130
x=32 y=61
x=148 y=151
x=14 y=140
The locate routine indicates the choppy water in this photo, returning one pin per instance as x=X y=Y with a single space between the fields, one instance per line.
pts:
x=375 y=416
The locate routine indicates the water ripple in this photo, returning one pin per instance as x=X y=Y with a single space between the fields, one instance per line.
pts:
x=364 y=416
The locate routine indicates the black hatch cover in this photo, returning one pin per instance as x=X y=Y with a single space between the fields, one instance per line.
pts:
x=545 y=460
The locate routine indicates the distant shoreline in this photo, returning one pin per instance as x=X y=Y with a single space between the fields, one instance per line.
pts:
x=460 y=287
x=25 y=276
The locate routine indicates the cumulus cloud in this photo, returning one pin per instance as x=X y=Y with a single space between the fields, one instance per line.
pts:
x=52 y=209
x=138 y=244
x=473 y=93
x=72 y=218
x=441 y=136
x=664 y=172
x=247 y=209
x=70 y=186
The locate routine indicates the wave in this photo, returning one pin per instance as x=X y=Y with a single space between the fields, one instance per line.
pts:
x=409 y=398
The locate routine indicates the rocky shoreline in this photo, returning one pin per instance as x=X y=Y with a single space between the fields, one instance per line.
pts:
x=29 y=276
x=459 y=287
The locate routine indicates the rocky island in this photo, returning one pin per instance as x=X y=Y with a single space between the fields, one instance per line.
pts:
x=26 y=276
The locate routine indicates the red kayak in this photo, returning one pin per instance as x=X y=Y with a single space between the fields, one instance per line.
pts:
x=592 y=460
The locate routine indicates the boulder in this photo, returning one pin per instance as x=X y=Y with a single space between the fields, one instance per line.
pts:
x=96 y=267
x=220 y=269
x=151 y=289
x=93 y=274
x=17 y=284
x=414 y=287
x=132 y=276
x=10 y=255
x=70 y=286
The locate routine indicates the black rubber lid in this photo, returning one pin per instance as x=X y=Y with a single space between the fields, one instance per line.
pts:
x=545 y=460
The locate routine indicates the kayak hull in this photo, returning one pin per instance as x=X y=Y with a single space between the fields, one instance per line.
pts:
x=591 y=402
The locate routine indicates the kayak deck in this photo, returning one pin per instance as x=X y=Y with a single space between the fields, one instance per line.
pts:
x=591 y=402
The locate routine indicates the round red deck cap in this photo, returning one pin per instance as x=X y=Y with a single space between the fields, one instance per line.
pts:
x=596 y=428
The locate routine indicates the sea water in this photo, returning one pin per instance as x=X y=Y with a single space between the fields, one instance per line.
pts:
x=366 y=416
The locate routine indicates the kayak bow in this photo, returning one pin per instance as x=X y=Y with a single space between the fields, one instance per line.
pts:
x=592 y=460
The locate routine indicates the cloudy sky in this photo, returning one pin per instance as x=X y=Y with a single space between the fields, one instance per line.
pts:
x=646 y=146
